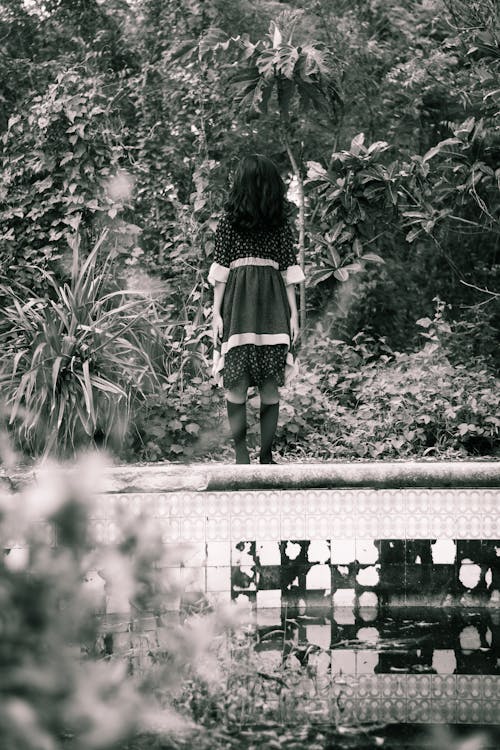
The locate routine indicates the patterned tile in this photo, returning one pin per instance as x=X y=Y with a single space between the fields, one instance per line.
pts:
x=367 y=711
x=419 y=711
x=367 y=526
x=293 y=503
x=491 y=687
x=319 y=527
x=418 y=526
x=367 y=502
x=418 y=686
x=352 y=552
x=217 y=504
x=392 y=686
x=243 y=527
x=443 y=712
x=268 y=528
x=444 y=687
x=343 y=501
x=491 y=712
x=392 y=711
x=170 y=529
x=343 y=528
x=318 y=503
x=293 y=527
x=218 y=529
x=469 y=712
x=469 y=686
x=192 y=529
x=367 y=687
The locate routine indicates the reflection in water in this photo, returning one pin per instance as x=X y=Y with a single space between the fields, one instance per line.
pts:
x=389 y=640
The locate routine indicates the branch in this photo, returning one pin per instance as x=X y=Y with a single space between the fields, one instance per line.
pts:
x=493 y=295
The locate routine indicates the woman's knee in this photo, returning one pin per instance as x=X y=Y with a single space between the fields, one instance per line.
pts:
x=269 y=393
x=237 y=394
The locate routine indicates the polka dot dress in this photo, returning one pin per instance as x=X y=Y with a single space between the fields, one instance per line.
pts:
x=256 y=267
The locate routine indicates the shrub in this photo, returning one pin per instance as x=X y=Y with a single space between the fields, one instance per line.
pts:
x=184 y=421
x=73 y=363
x=362 y=400
x=57 y=155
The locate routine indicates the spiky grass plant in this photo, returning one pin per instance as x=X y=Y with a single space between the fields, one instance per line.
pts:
x=74 y=362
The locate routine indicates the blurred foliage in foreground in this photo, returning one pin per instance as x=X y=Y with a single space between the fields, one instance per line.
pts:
x=57 y=683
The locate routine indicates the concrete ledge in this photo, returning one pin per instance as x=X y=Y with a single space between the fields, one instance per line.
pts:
x=221 y=477
x=229 y=477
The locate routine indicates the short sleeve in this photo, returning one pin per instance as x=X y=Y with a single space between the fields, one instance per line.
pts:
x=290 y=269
x=219 y=270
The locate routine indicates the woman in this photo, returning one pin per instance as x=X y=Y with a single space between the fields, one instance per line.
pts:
x=255 y=320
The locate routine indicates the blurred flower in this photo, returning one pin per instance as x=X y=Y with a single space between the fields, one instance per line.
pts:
x=119 y=187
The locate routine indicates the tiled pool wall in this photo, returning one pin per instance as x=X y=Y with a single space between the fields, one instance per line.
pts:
x=338 y=548
x=350 y=570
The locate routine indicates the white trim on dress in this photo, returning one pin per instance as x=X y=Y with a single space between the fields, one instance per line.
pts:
x=253 y=262
x=218 y=273
x=259 y=339
x=293 y=275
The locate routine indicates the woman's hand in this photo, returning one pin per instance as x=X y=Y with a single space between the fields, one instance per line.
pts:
x=217 y=327
x=294 y=327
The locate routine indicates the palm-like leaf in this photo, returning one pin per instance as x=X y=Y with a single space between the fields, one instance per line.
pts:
x=307 y=72
x=74 y=363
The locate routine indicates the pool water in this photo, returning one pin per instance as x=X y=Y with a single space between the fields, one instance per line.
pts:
x=392 y=641
x=390 y=666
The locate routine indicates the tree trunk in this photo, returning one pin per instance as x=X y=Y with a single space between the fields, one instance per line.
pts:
x=302 y=224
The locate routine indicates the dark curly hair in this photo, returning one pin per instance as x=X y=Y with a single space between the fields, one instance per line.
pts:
x=257 y=197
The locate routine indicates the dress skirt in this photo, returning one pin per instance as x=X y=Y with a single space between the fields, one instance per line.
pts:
x=255 y=344
x=256 y=267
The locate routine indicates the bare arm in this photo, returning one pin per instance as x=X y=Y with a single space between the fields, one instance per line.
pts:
x=294 y=317
x=219 y=289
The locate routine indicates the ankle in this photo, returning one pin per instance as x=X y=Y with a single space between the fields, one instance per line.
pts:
x=242 y=456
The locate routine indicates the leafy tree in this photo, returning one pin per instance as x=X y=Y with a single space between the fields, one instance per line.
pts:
x=303 y=78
